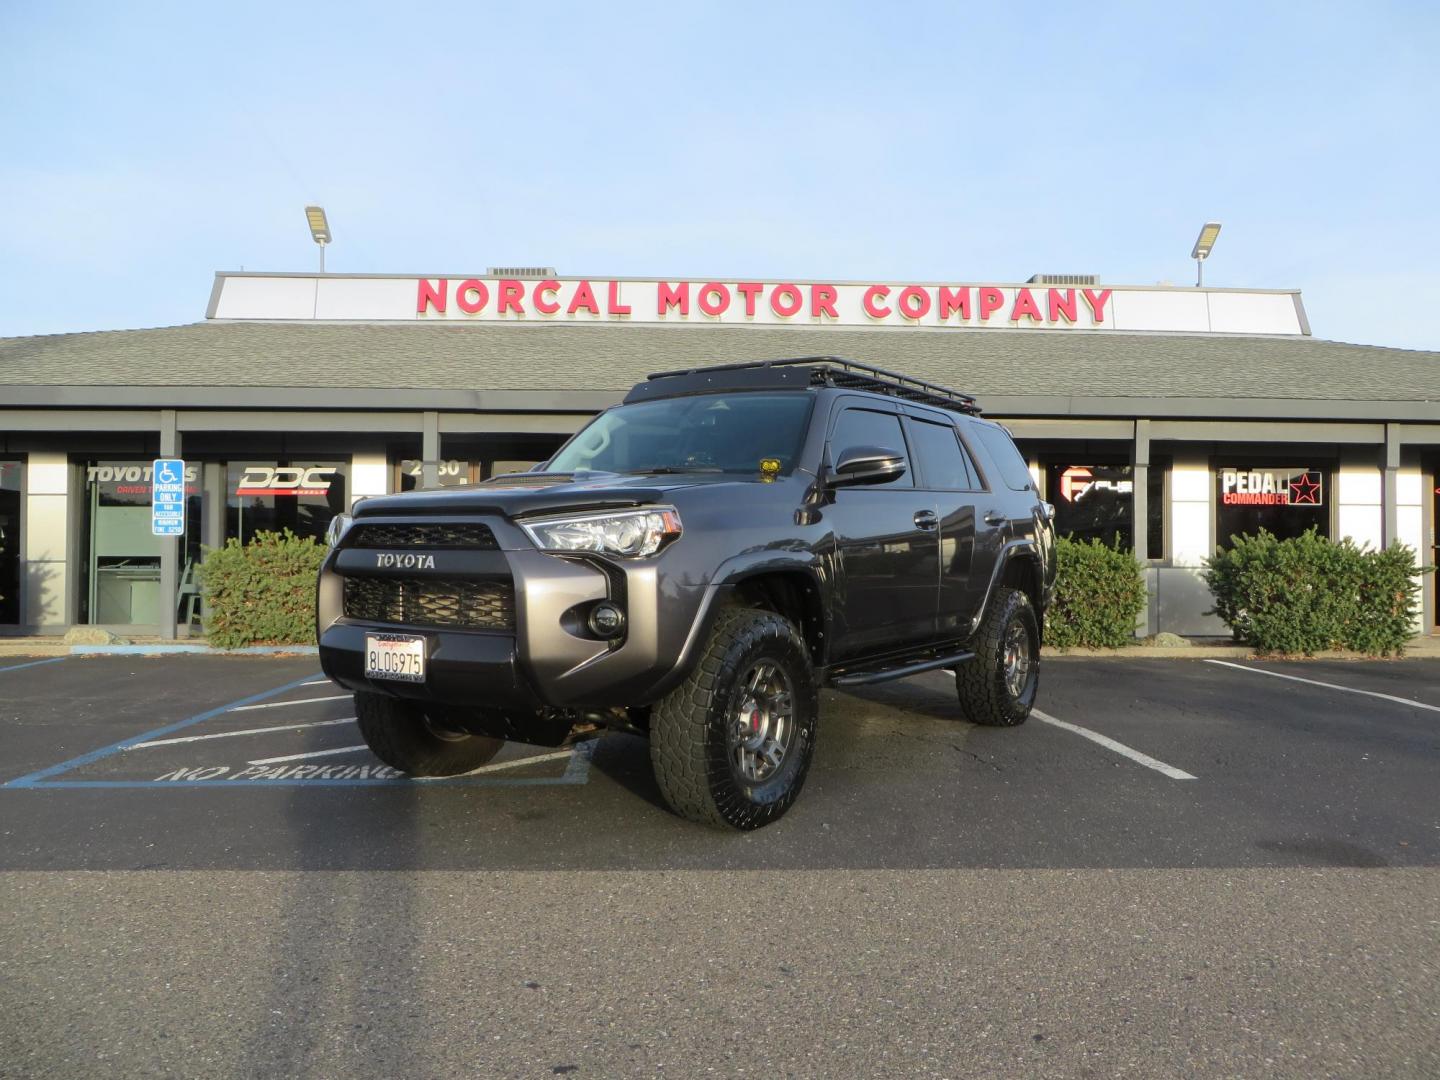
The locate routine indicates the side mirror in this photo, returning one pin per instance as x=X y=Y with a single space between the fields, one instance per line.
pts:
x=867 y=465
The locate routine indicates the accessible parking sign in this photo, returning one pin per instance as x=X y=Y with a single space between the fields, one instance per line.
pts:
x=167 y=497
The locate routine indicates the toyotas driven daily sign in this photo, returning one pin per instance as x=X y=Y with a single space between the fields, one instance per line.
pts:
x=880 y=304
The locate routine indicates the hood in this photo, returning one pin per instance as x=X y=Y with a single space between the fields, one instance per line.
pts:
x=524 y=494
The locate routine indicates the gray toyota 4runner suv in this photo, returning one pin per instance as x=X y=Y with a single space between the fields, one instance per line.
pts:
x=692 y=567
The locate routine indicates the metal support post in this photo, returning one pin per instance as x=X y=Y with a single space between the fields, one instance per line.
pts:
x=1140 y=490
x=1390 y=489
x=430 y=451
x=170 y=546
x=1140 y=510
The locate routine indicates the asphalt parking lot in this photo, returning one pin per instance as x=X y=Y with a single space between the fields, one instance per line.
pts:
x=1176 y=867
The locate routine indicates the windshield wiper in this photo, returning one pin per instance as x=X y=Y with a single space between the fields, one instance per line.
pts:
x=663 y=469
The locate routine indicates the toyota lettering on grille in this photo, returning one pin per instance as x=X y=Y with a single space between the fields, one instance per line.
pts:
x=386 y=560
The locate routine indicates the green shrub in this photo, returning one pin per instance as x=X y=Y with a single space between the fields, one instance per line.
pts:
x=1308 y=593
x=1099 y=593
x=263 y=592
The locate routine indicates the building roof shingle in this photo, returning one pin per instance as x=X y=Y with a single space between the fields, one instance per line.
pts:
x=1002 y=363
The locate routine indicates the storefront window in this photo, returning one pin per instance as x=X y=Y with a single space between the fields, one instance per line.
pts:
x=1097 y=502
x=1155 y=495
x=452 y=472
x=469 y=459
x=1092 y=502
x=9 y=542
x=1282 y=499
x=121 y=564
x=271 y=496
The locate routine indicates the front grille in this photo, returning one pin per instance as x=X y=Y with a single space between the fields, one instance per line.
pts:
x=431 y=601
x=430 y=534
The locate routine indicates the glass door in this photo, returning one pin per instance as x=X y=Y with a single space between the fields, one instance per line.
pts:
x=121 y=562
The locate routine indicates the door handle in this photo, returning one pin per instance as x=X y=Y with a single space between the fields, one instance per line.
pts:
x=926 y=519
x=994 y=517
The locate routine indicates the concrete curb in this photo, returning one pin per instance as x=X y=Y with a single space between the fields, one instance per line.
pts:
x=203 y=650
x=1148 y=652
x=1423 y=648
x=1216 y=652
x=8 y=649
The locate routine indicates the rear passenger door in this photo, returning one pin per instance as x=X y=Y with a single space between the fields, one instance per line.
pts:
x=1011 y=502
x=949 y=478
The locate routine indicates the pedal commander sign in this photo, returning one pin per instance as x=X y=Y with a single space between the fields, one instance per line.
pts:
x=1271 y=487
x=496 y=298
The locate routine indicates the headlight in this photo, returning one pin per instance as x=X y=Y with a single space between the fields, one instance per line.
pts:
x=632 y=534
x=338 y=527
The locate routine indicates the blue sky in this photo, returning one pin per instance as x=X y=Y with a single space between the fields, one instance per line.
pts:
x=147 y=145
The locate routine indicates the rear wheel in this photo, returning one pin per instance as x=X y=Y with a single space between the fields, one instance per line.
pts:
x=405 y=737
x=997 y=687
x=732 y=744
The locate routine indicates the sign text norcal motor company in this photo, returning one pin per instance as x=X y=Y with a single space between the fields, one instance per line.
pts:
x=732 y=301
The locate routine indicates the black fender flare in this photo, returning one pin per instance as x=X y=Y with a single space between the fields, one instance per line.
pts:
x=728 y=576
x=1019 y=548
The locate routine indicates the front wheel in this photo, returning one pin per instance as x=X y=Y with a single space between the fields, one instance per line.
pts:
x=997 y=687
x=731 y=744
x=405 y=737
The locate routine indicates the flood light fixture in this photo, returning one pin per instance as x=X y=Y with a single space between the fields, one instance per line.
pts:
x=319 y=230
x=1201 y=251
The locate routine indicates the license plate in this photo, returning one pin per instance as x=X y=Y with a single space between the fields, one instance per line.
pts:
x=395 y=656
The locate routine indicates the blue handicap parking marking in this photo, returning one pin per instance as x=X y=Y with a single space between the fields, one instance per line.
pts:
x=33 y=663
x=232 y=751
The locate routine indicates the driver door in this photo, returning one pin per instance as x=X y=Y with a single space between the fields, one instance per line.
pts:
x=887 y=545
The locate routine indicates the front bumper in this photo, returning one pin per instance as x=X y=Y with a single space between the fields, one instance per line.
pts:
x=476 y=670
x=548 y=658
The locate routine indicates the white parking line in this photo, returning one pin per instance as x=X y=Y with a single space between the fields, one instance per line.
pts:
x=312 y=753
x=247 y=731
x=1328 y=685
x=1119 y=747
x=521 y=761
x=282 y=704
x=483 y=768
x=318 y=682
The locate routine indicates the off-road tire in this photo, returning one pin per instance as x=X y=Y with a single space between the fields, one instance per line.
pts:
x=689 y=745
x=981 y=683
x=398 y=734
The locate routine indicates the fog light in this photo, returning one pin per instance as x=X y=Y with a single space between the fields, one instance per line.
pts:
x=606 y=621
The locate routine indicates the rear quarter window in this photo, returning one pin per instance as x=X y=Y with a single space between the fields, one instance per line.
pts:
x=1005 y=455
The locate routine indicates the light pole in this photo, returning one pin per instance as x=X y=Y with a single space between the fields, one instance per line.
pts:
x=319 y=230
x=1206 y=240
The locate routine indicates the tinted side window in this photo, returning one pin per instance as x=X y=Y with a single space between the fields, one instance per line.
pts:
x=861 y=427
x=943 y=461
x=1013 y=469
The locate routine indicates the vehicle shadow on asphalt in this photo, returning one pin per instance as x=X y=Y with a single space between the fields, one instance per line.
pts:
x=340 y=939
x=843 y=740
x=625 y=759
x=931 y=695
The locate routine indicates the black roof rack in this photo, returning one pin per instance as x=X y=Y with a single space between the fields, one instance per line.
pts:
x=834 y=371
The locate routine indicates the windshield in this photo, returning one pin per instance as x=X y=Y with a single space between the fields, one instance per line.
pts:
x=729 y=433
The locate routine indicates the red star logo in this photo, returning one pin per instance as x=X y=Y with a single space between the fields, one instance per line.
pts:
x=1305 y=489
